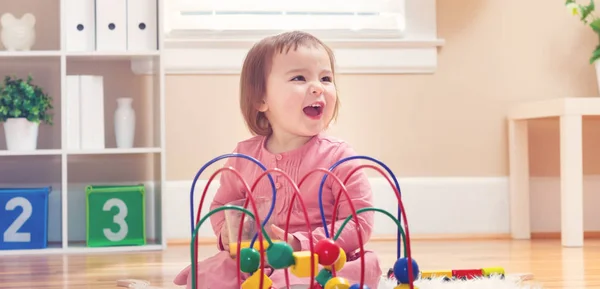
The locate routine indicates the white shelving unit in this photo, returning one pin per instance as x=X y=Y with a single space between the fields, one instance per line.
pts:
x=136 y=74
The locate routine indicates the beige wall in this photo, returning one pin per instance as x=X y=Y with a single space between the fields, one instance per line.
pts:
x=497 y=53
x=451 y=123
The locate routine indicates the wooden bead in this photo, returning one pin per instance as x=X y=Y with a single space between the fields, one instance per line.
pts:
x=328 y=251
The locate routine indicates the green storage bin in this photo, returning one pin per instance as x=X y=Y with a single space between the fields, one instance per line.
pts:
x=115 y=215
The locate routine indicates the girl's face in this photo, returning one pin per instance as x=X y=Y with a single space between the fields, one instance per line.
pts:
x=301 y=95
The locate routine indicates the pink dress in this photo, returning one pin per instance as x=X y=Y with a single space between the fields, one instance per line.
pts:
x=219 y=271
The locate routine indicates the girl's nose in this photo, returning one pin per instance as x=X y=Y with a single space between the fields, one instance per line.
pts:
x=317 y=89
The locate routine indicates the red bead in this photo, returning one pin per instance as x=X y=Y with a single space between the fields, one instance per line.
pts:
x=328 y=251
x=317 y=286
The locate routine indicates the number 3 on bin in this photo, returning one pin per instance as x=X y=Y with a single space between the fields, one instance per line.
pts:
x=118 y=219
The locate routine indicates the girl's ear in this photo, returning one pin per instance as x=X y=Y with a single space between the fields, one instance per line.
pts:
x=262 y=106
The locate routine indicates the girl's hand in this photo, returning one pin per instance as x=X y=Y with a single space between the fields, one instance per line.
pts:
x=225 y=237
x=278 y=233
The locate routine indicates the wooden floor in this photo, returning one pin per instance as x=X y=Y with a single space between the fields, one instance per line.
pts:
x=554 y=266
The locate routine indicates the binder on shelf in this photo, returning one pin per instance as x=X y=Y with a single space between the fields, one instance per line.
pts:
x=92 y=111
x=24 y=218
x=115 y=215
x=73 y=112
x=142 y=28
x=80 y=25
x=111 y=25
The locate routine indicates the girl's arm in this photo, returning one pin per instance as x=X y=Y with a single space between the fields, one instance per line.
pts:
x=359 y=190
x=229 y=190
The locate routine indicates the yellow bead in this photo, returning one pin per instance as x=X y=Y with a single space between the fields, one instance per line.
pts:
x=253 y=281
x=405 y=286
x=301 y=267
x=339 y=264
x=337 y=283
x=246 y=244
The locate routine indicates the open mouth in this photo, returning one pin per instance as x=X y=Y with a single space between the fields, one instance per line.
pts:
x=314 y=110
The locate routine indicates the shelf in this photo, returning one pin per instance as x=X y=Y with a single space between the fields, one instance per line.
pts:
x=82 y=248
x=39 y=152
x=114 y=151
x=111 y=55
x=68 y=171
x=51 y=249
x=32 y=53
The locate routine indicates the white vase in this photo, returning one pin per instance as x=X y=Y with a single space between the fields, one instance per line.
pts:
x=124 y=123
x=20 y=134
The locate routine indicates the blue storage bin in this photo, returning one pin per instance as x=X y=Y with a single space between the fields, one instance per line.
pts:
x=24 y=218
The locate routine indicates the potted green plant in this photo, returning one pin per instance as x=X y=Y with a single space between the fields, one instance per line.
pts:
x=23 y=106
x=585 y=13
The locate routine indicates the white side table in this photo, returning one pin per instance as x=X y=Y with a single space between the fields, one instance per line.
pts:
x=570 y=111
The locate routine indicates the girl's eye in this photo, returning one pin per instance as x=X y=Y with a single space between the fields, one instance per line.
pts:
x=298 y=78
x=326 y=78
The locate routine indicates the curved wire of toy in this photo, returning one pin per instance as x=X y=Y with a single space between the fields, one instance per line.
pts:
x=362 y=210
x=287 y=223
x=353 y=210
x=193 y=270
x=401 y=209
x=255 y=217
x=338 y=197
x=205 y=166
x=335 y=165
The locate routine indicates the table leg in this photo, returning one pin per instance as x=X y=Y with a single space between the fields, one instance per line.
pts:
x=571 y=180
x=520 y=224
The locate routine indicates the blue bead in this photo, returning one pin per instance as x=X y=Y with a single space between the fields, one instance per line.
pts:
x=357 y=286
x=401 y=270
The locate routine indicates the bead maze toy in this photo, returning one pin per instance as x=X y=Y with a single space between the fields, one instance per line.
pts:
x=325 y=252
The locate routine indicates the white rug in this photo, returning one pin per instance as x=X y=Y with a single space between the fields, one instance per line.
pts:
x=482 y=283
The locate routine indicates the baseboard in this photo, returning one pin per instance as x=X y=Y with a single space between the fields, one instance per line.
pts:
x=437 y=208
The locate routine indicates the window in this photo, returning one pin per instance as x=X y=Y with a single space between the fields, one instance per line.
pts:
x=331 y=18
x=368 y=36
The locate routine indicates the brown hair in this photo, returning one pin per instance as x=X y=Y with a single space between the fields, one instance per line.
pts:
x=256 y=68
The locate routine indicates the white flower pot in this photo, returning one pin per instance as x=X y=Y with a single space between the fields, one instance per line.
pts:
x=20 y=134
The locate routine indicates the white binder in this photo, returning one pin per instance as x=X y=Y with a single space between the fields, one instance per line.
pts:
x=80 y=25
x=92 y=111
x=73 y=116
x=111 y=25
x=142 y=25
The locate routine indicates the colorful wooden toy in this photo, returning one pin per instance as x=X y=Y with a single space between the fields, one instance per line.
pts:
x=325 y=251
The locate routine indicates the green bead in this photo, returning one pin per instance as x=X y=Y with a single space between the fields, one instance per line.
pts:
x=249 y=260
x=323 y=276
x=280 y=255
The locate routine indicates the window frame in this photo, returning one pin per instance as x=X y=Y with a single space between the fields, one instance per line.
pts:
x=363 y=53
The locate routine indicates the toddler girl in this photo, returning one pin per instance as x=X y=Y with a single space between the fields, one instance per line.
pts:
x=288 y=98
